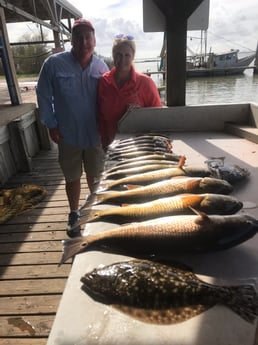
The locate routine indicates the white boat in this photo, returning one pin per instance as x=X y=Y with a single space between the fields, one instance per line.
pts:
x=210 y=65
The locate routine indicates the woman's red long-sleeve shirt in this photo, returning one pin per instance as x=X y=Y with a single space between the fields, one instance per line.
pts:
x=113 y=102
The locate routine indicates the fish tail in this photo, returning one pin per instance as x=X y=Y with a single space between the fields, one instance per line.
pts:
x=72 y=247
x=244 y=302
x=103 y=185
x=88 y=215
x=99 y=198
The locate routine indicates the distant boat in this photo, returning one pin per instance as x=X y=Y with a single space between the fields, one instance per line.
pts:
x=211 y=64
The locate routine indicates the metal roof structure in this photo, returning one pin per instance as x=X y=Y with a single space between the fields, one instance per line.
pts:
x=56 y=15
x=48 y=13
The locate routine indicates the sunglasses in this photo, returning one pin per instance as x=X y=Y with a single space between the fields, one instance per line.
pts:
x=124 y=37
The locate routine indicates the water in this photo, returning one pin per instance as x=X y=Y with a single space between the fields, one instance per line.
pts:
x=213 y=90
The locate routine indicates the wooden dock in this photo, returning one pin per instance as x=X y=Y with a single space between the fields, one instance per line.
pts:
x=31 y=283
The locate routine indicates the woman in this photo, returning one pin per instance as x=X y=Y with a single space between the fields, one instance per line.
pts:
x=122 y=88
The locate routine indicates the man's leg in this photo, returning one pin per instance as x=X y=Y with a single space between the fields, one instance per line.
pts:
x=73 y=190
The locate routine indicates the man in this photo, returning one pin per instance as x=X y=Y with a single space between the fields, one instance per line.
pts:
x=67 y=95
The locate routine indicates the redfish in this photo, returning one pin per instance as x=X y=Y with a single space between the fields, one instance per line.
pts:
x=168 y=235
x=178 y=204
x=163 y=294
x=169 y=187
x=154 y=176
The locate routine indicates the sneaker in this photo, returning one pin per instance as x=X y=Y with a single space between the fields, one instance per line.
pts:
x=73 y=227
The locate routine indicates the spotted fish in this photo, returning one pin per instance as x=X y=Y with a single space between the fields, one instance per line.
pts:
x=168 y=235
x=229 y=172
x=209 y=203
x=164 y=294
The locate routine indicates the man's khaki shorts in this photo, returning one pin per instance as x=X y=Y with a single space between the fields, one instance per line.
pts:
x=72 y=160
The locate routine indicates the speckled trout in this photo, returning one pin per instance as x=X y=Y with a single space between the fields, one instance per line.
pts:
x=144 y=167
x=164 y=294
x=136 y=164
x=168 y=235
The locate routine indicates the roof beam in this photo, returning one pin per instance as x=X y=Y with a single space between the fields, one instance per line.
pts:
x=24 y=14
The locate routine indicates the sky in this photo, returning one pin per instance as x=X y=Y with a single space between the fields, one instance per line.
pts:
x=233 y=24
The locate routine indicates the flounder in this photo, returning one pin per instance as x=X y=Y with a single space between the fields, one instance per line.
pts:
x=164 y=294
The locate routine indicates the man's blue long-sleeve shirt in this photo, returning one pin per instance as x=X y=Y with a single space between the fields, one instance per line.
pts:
x=67 y=98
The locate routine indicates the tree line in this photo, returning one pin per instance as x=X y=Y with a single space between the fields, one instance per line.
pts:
x=29 y=57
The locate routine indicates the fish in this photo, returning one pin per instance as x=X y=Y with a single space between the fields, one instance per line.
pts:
x=139 y=139
x=133 y=154
x=167 y=146
x=229 y=172
x=168 y=187
x=158 y=293
x=148 y=155
x=199 y=233
x=119 y=173
x=154 y=176
x=137 y=164
x=147 y=147
x=179 y=204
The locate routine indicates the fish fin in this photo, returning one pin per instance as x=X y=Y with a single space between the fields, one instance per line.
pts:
x=72 y=247
x=203 y=217
x=244 y=301
x=181 y=162
x=198 y=213
x=162 y=317
x=124 y=205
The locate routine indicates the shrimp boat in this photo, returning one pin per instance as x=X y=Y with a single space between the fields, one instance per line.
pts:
x=210 y=64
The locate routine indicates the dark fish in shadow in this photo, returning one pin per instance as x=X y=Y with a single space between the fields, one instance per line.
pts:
x=229 y=172
x=163 y=294
x=209 y=203
x=168 y=235
x=143 y=152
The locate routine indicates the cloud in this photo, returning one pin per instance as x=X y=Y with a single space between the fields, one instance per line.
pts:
x=232 y=24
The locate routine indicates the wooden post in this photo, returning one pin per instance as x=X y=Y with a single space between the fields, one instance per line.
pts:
x=176 y=61
x=8 y=63
x=256 y=61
